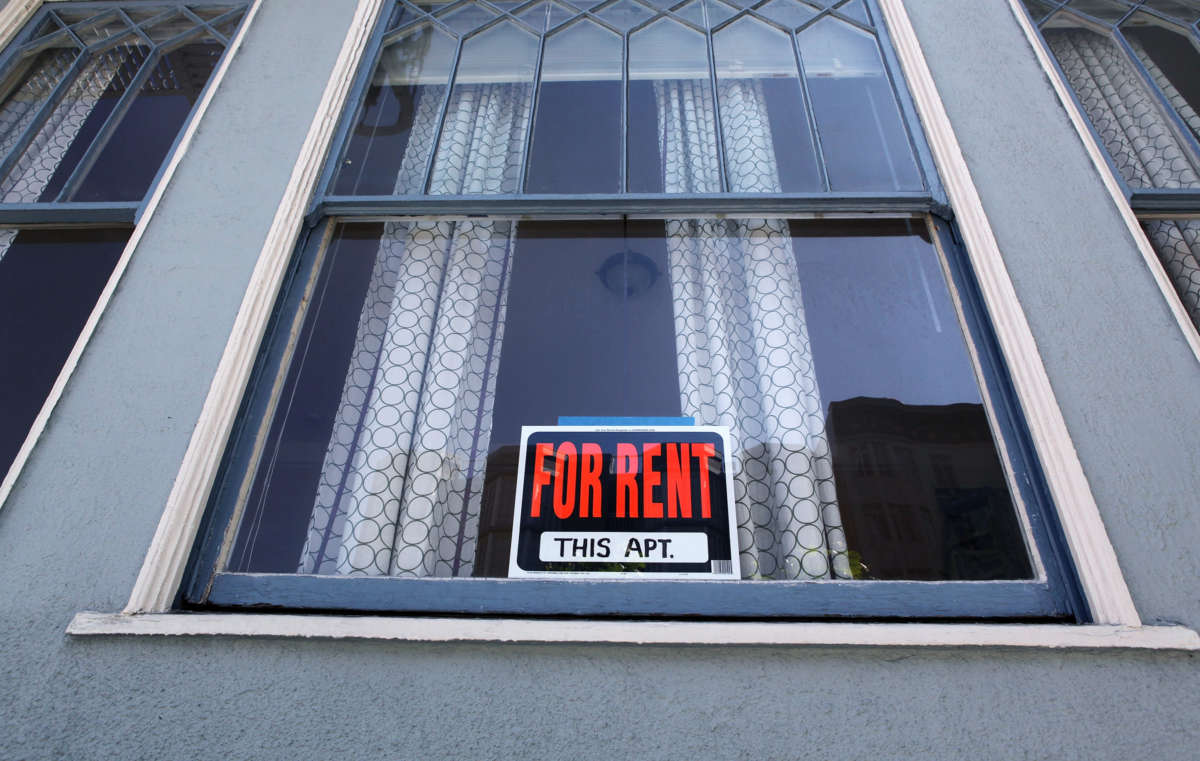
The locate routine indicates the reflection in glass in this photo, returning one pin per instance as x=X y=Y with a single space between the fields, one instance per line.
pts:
x=672 y=125
x=577 y=136
x=768 y=147
x=863 y=138
x=624 y=14
x=1177 y=243
x=49 y=283
x=1105 y=10
x=1172 y=61
x=129 y=160
x=790 y=13
x=859 y=442
x=392 y=139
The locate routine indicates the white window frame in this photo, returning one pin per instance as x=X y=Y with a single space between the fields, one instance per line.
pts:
x=1117 y=624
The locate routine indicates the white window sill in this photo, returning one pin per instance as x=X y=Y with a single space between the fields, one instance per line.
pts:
x=636 y=632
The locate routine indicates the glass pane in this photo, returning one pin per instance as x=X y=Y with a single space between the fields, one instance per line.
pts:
x=860 y=446
x=391 y=142
x=1177 y=243
x=170 y=28
x=99 y=28
x=1171 y=59
x=577 y=135
x=625 y=14
x=863 y=137
x=1127 y=116
x=49 y=283
x=768 y=148
x=1105 y=10
x=466 y=17
x=672 y=123
x=27 y=91
x=790 y=13
x=856 y=10
x=1038 y=9
x=483 y=136
x=76 y=119
x=130 y=159
x=1187 y=11
x=545 y=16
x=210 y=12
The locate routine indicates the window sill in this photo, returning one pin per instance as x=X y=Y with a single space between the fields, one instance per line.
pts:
x=1057 y=636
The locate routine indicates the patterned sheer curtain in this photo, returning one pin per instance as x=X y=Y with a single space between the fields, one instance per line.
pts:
x=741 y=336
x=37 y=165
x=1140 y=138
x=402 y=482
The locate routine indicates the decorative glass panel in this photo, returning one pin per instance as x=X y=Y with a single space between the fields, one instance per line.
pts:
x=863 y=140
x=790 y=13
x=391 y=143
x=577 y=135
x=95 y=124
x=482 y=141
x=1170 y=57
x=464 y=18
x=856 y=10
x=768 y=147
x=1105 y=10
x=672 y=123
x=624 y=14
x=1177 y=242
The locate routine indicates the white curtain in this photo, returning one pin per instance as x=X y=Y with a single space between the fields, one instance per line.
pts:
x=33 y=171
x=401 y=488
x=1138 y=135
x=741 y=337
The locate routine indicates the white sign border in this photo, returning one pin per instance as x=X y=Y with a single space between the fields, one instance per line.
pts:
x=516 y=572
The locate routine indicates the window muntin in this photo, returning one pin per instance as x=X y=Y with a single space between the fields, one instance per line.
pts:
x=615 y=76
x=92 y=99
x=689 y=154
x=1133 y=68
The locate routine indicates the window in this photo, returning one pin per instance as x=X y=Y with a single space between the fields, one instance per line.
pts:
x=1133 y=67
x=537 y=211
x=94 y=97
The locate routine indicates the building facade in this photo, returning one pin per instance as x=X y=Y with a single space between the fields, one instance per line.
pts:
x=1104 y=369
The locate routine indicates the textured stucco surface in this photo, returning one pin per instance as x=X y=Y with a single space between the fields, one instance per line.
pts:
x=74 y=532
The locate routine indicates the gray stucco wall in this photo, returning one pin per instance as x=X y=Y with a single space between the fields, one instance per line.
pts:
x=75 y=530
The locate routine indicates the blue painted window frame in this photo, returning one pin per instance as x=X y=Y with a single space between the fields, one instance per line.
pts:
x=1057 y=596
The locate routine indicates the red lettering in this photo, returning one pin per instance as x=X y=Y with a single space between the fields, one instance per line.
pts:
x=540 y=478
x=564 y=495
x=703 y=452
x=679 y=481
x=627 y=468
x=650 y=479
x=589 y=481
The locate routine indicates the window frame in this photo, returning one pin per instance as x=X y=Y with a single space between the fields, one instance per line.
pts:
x=159 y=583
x=18 y=22
x=1135 y=204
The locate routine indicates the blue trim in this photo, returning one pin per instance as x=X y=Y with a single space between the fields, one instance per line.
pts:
x=1049 y=539
x=931 y=600
x=239 y=463
x=68 y=213
x=1165 y=201
x=626 y=421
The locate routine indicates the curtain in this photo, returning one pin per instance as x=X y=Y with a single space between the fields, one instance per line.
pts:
x=1138 y=135
x=741 y=338
x=36 y=167
x=401 y=486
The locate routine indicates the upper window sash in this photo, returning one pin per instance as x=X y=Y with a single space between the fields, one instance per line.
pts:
x=73 y=85
x=811 y=54
x=1129 y=32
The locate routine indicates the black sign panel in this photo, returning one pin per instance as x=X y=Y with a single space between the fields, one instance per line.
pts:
x=638 y=502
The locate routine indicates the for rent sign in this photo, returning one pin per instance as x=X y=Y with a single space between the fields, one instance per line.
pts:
x=653 y=502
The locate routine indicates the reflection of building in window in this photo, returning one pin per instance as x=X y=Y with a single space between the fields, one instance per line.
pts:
x=922 y=493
